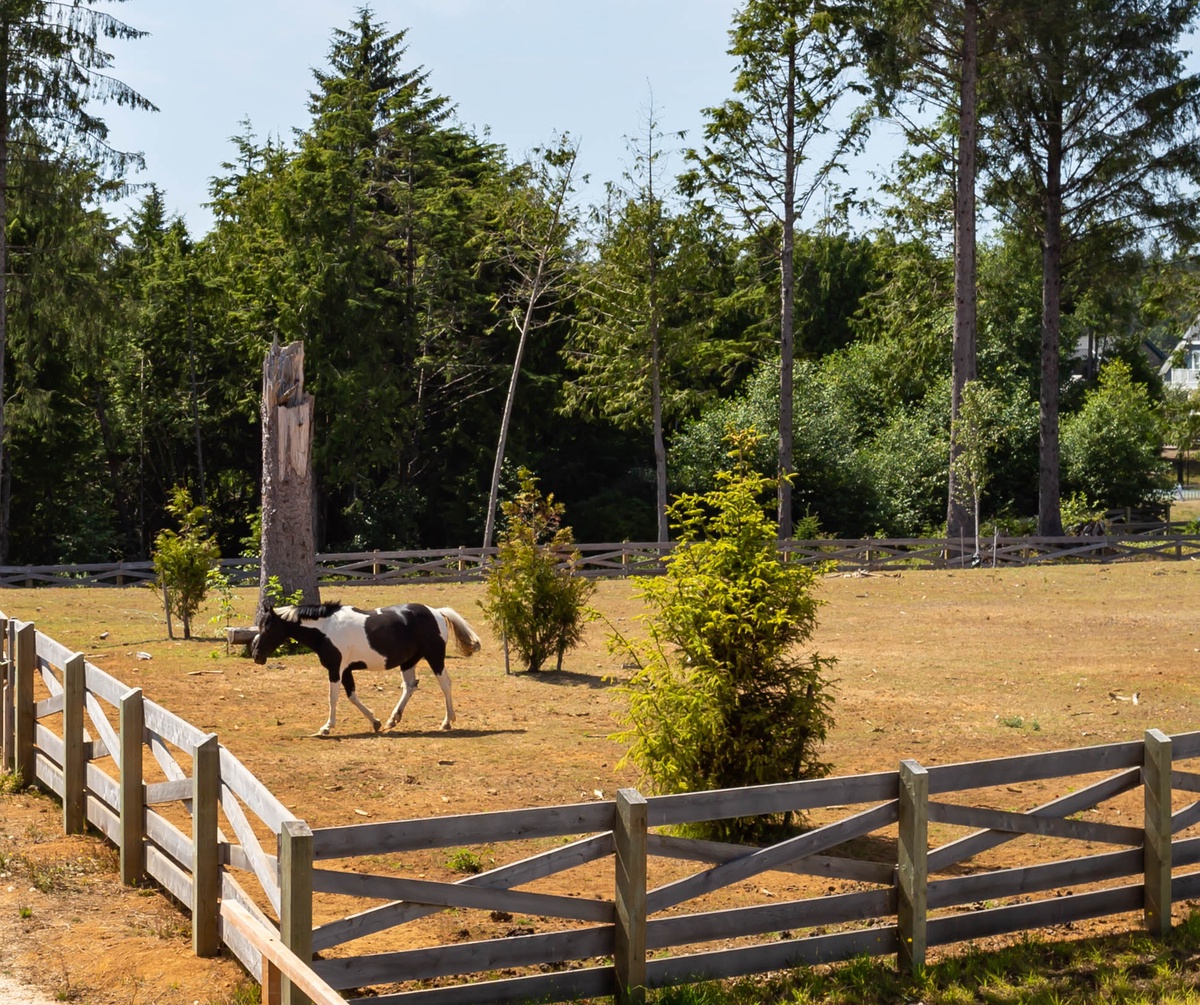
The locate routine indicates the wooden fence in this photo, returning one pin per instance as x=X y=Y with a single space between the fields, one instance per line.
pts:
x=444 y=565
x=895 y=862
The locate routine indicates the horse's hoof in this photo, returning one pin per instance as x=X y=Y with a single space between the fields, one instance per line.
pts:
x=391 y=724
x=323 y=731
x=377 y=724
x=446 y=726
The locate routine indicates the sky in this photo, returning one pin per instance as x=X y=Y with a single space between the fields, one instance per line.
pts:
x=523 y=69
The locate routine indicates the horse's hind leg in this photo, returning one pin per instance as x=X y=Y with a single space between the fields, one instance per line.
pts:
x=443 y=678
x=410 y=685
x=348 y=683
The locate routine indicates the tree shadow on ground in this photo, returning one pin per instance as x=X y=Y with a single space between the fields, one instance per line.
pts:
x=569 y=678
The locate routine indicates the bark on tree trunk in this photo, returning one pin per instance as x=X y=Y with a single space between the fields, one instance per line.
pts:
x=787 y=310
x=5 y=479
x=963 y=355
x=1049 y=508
x=288 y=548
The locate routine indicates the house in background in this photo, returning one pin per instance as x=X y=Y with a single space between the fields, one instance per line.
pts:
x=1182 y=366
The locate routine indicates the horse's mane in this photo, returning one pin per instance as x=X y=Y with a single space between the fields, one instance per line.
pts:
x=308 y=612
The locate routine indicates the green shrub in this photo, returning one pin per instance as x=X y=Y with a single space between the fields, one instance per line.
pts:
x=721 y=697
x=532 y=595
x=183 y=558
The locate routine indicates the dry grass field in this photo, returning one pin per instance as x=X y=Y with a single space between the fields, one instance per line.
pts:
x=936 y=666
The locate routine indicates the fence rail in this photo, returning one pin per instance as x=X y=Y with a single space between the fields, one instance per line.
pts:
x=183 y=810
x=612 y=560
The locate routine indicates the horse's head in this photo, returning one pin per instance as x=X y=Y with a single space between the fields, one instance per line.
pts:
x=272 y=633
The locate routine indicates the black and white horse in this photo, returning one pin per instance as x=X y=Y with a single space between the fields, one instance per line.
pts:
x=346 y=639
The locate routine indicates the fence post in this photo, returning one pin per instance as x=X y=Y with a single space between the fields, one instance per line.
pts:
x=132 y=796
x=629 y=953
x=73 y=755
x=24 y=721
x=206 y=875
x=912 y=862
x=1156 y=785
x=295 y=911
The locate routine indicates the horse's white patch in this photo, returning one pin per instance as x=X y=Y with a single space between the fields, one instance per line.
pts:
x=443 y=627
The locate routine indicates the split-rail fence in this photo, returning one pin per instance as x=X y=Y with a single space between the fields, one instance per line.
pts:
x=626 y=558
x=899 y=858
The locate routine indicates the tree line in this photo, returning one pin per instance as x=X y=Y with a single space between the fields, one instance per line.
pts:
x=465 y=317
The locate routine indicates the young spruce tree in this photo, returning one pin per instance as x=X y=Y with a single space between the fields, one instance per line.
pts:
x=723 y=696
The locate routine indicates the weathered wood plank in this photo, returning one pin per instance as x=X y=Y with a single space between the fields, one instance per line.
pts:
x=49 y=743
x=693 y=850
x=206 y=867
x=765 y=859
x=264 y=869
x=836 y=909
x=1185 y=781
x=1084 y=799
x=970 y=925
x=132 y=794
x=103 y=786
x=168 y=792
x=1025 y=823
x=378 y=919
x=102 y=818
x=170 y=839
x=252 y=792
x=296 y=890
x=629 y=902
x=295 y=970
x=177 y=882
x=104 y=685
x=171 y=727
x=24 y=638
x=48 y=773
x=1001 y=883
x=693 y=807
x=1034 y=767
x=422 y=891
x=1156 y=790
x=567 y=985
x=53 y=652
x=73 y=762
x=465 y=958
x=48 y=706
x=108 y=741
x=1185 y=851
x=786 y=955
x=1185 y=746
x=912 y=870
x=466 y=829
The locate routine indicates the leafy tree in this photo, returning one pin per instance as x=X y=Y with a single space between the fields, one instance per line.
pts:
x=533 y=598
x=794 y=69
x=52 y=67
x=1112 y=448
x=638 y=346
x=1095 y=125
x=977 y=434
x=721 y=697
x=536 y=241
x=184 y=558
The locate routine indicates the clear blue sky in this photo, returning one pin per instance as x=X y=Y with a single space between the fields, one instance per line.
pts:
x=526 y=69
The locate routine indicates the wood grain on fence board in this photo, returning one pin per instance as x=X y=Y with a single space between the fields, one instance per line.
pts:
x=104 y=685
x=168 y=792
x=466 y=829
x=102 y=786
x=567 y=985
x=760 y=919
x=264 y=869
x=943 y=857
x=1156 y=791
x=965 y=926
x=465 y=957
x=1001 y=883
x=176 y=882
x=73 y=763
x=764 y=859
x=252 y=792
x=53 y=652
x=171 y=728
x=102 y=818
x=428 y=892
x=48 y=706
x=48 y=773
x=1034 y=767
x=24 y=718
x=163 y=834
x=132 y=793
x=1025 y=823
x=108 y=736
x=693 y=850
x=49 y=744
x=206 y=867
x=745 y=960
x=296 y=894
x=526 y=870
x=694 y=807
x=1185 y=746
x=233 y=892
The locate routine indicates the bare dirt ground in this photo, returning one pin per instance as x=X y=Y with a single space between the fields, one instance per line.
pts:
x=936 y=666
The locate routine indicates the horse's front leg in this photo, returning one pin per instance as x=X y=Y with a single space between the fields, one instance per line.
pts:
x=410 y=685
x=443 y=678
x=333 y=700
x=348 y=683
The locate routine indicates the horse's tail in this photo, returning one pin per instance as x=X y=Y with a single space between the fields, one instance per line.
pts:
x=464 y=635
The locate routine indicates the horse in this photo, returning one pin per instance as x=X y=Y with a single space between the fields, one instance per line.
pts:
x=346 y=639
